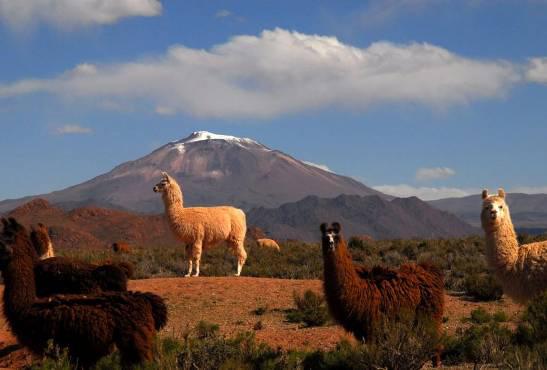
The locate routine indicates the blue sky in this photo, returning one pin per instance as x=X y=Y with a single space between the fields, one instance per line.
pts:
x=428 y=97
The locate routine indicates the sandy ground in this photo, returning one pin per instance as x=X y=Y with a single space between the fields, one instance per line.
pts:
x=230 y=302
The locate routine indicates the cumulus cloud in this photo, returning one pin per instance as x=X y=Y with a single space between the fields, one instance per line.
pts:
x=434 y=173
x=73 y=130
x=281 y=72
x=19 y=14
x=425 y=193
x=537 y=70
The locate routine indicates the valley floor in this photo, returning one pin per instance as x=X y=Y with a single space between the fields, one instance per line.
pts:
x=230 y=302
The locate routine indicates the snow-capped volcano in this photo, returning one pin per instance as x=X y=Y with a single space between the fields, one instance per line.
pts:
x=213 y=169
x=206 y=135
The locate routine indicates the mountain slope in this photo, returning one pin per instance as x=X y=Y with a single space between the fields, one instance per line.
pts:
x=528 y=211
x=372 y=215
x=213 y=169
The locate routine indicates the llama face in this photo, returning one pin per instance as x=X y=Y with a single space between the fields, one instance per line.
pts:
x=494 y=208
x=494 y=211
x=162 y=186
x=330 y=236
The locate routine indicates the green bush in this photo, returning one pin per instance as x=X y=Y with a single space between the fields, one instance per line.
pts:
x=480 y=316
x=310 y=309
x=483 y=287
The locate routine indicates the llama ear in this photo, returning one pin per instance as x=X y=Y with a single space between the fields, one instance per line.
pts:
x=501 y=193
x=485 y=194
x=323 y=227
x=165 y=176
x=336 y=227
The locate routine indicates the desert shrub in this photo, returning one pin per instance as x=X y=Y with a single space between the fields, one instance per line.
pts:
x=483 y=287
x=536 y=316
x=479 y=344
x=480 y=316
x=310 y=309
x=500 y=316
x=214 y=351
x=396 y=345
x=259 y=311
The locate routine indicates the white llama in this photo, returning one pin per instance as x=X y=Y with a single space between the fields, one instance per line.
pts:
x=202 y=227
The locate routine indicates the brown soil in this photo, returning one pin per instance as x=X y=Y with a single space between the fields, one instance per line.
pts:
x=230 y=302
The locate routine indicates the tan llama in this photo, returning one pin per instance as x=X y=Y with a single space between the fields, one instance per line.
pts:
x=202 y=227
x=521 y=270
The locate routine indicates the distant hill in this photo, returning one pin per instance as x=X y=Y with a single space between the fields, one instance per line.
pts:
x=371 y=215
x=212 y=169
x=93 y=227
x=528 y=211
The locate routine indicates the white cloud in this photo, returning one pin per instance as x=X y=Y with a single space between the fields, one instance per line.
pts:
x=320 y=166
x=20 y=14
x=537 y=70
x=434 y=173
x=425 y=193
x=281 y=72
x=73 y=130
x=223 y=13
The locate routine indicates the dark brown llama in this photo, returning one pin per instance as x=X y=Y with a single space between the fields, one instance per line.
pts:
x=61 y=275
x=87 y=325
x=360 y=298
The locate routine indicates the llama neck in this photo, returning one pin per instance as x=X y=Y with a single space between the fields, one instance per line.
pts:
x=19 y=285
x=502 y=246
x=339 y=272
x=173 y=201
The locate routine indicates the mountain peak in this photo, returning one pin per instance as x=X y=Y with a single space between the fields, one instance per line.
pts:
x=206 y=135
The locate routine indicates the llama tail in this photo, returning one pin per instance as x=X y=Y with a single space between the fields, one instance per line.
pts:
x=159 y=309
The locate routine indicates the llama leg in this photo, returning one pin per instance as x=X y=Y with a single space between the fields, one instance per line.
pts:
x=188 y=251
x=197 y=257
x=241 y=257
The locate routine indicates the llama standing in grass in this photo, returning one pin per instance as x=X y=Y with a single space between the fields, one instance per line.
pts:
x=121 y=247
x=268 y=243
x=360 y=298
x=202 y=227
x=62 y=275
x=89 y=326
x=521 y=270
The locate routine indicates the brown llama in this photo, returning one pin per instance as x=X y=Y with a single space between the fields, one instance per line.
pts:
x=360 y=298
x=61 y=275
x=88 y=326
x=121 y=247
x=41 y=241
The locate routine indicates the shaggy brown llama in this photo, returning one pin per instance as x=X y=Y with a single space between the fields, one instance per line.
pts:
x=88 y=326
x=61 y=275
x=360 y=298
